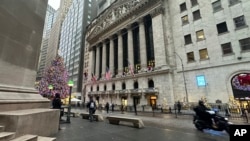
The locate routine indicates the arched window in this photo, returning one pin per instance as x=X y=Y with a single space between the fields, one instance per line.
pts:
x=123 y=86
x=91 y=89
x=97 y=89
x=151 y=84
x=136 y=86
x=113 y=86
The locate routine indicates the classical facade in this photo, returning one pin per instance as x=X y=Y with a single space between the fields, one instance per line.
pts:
x=162 y=51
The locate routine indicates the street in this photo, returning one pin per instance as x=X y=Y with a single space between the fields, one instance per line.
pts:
x=156 y=129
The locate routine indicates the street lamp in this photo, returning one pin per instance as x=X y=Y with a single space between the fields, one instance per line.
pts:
x=184 y=78
x=50 y=88
x=70 y=84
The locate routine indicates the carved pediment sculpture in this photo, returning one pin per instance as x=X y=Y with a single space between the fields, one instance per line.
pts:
x=117 y=10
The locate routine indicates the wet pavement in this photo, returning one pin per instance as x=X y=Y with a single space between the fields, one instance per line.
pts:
x=158 y=127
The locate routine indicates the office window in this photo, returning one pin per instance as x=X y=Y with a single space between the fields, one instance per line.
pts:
x=239 y=21
x=184 y=19
x=196 y=15
x=245 y=44
x=203 y=54
x=194 y=2
x=200 y=35
x=226 y=48
x=232 y=2
x=188 y=39
x=217 y=5
x=183 y=7
x=190 y=57
x=222 y=28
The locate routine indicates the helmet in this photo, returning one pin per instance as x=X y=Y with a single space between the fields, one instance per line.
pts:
x=201 y=102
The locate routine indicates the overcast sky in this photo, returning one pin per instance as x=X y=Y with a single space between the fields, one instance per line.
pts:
x=54 y=3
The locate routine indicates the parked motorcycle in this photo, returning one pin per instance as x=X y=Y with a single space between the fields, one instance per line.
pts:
x=221 y=123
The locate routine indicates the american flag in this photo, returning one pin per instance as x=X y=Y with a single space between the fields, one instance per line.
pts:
x=93 y=78
x=107 y=75
x=131 y=68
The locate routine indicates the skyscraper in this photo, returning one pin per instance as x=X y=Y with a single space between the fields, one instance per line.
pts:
x=72 y=36
x=54 y=39
x=50 y=19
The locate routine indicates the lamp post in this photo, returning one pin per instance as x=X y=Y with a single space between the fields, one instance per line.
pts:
x=70 y=84
x=184 y=78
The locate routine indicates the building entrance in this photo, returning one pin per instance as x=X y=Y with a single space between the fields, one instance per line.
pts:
x=153 y=101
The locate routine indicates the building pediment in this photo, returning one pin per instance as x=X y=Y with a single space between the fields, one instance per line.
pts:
x=113 y=15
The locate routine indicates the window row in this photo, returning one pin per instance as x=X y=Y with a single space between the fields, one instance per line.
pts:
x=221 y=28
x=215 y=5
x=226 y=50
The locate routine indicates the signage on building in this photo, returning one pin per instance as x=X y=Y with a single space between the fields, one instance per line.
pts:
x=201 y=81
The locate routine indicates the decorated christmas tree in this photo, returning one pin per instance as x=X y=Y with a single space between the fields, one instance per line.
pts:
x=57 y=77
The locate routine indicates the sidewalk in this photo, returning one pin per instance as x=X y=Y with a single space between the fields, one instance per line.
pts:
x=161 y=120
x=159 y=117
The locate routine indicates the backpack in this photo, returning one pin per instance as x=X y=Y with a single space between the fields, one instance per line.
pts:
x=92 y=104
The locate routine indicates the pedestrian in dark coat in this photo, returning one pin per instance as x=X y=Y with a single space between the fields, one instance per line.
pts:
x=112 y=107
x=107 y=107
x=57 y=103
x=179 y=107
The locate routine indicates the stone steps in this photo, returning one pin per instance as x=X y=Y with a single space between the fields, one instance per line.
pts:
x=6 y=136
x=1 y=128
x=40 y=138
x=26 y=138
x=33 y=138
x=10 y=136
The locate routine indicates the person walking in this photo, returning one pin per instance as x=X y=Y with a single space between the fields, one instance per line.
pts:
x=91 y=105
x=112 y=107
x=57 y=104
x=179 y=107
x=107 y=107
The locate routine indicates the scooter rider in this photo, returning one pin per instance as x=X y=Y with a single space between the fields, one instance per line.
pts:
x=201 y=111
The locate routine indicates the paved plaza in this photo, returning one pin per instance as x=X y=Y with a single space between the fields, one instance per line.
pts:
x=158 y=127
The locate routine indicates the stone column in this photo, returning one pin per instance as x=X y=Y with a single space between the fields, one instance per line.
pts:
x=130 y=47
x=120 y=54
x=143 y=52
x=92 y=63
x=104 y=65
x=20 y=43
x=97 y=65
x=111 y=57
x=159 y=42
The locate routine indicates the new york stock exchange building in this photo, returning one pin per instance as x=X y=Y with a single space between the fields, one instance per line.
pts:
x=155 y=52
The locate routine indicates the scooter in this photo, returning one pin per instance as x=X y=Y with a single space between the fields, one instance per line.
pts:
x=221 y=123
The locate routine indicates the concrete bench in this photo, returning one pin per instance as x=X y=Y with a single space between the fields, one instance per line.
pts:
x=71 y=114
x=98 y=117
x=116 y=120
